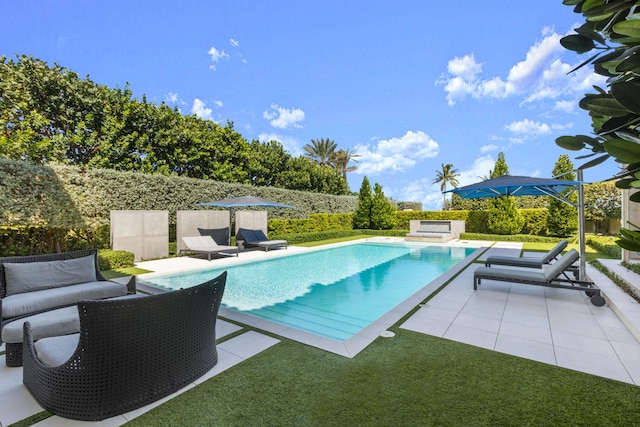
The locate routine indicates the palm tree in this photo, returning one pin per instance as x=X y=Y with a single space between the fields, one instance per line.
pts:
x=340 y=160
x=446 y=176
x=320 y=151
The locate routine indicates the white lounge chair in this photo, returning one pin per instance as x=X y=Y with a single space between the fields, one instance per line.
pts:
x=205 y=245
x=549 y=276
x=531 y=262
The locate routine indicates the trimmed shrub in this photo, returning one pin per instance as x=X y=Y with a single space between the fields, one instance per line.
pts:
x=535 y=221
x=110 y=260
x=606 y=245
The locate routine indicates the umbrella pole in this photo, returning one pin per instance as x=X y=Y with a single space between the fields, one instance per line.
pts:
x=583 y=249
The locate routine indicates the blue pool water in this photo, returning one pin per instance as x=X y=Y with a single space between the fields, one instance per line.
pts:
x=331 y=292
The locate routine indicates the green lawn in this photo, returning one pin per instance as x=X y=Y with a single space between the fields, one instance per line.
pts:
x=412 y=379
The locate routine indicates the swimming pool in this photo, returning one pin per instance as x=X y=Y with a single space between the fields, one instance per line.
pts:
x=333 y=293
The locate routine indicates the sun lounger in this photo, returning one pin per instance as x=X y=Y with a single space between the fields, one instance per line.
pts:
x=258 y=238
x=548 y=276
x=531 y=262
x=205 y=245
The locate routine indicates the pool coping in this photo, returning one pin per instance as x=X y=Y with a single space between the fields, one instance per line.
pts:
x=358 y=342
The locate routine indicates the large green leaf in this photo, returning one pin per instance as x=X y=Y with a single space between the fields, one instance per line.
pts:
x=635 y=197
x=628 y=136
x=628 y=28
x=628 y=93
x=624 y=183
x=615 y=124
x=630 y=63
x=573 y=143
x=588 y=32
x=577 y=43
x=607 y=106
x=594 y=162
x=624 y=151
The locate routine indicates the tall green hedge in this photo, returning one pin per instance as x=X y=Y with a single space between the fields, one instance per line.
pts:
x=66 y=196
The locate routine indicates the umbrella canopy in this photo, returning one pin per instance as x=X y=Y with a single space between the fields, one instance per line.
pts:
x=234 y=202
x=508 y=185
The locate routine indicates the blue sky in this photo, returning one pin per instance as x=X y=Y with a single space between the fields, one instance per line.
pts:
x=407 y=85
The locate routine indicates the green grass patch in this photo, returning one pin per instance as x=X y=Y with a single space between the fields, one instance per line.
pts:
x=412 y=379
x=122 y=272
x=336 y=240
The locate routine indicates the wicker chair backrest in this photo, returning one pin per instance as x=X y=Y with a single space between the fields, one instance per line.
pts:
x=44 y=258
x=131 y=352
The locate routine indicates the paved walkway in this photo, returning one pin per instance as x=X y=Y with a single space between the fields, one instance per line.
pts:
x=555 y=326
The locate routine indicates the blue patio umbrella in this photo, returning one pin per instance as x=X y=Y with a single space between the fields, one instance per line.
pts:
x=508 y=185
x=245 y=201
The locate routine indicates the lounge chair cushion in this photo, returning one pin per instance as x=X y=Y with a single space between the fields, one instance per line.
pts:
x=34 y=301
x=554 y=252
x=554 y=270
x=35 y=276
x=55 y=351
x=219 y=235
x=510 y=274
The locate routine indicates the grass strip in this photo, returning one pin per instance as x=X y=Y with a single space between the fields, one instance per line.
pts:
x=412 y=379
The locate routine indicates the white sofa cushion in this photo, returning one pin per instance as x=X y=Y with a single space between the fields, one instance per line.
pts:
x=35 y=276
x=31 y=302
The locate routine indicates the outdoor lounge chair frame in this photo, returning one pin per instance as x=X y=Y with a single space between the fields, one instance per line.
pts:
x=209 y=246
x=532 y=262
x=130 y=352
x=256 y=238
x=539 y=278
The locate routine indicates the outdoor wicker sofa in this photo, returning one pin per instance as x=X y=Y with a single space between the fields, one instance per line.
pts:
x=38 y=283
x=129 y=352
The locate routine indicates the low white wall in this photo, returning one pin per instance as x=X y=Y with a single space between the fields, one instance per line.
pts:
x=188 y=222
x=145 y=233
x=251 y=220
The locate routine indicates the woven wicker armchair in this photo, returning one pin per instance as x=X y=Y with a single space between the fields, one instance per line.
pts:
x=130 y=353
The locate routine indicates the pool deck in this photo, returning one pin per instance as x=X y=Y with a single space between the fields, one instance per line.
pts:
x=555 y=326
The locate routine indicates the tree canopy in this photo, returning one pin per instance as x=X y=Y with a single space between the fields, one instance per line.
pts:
x=50 y=114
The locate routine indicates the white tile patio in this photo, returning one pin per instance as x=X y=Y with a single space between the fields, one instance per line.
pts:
x=555 y=326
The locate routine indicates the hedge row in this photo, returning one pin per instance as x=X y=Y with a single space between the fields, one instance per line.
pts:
x=475 y=221
x=606 y=245
x=66 y=196
x=298 y=238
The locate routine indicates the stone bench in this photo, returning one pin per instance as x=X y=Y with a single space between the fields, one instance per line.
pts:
x=434 y=230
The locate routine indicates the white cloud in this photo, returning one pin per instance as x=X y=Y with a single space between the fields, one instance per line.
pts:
x=466 y=67
x=218 y=103
x=171 y=97
x=481 y=168
x=199 y=109
x=528 y=128
x=216 y=55
x=541 y=75
x=565 y=106
x=292 y=145
x=488 y=147
x=283 y=118
x=234 y=42
x=395 y=154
